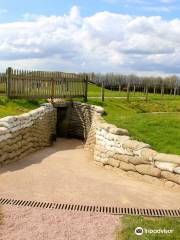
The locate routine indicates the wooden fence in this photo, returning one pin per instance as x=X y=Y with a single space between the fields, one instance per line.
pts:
x=3 y=84
x=38 y=84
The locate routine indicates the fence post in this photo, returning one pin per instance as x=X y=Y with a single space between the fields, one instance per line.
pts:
x=52 y=90
x=147 y=94
x=134 y=89
x=86 y=88
x=9 y=81
x=102 y=91
x=128 y=86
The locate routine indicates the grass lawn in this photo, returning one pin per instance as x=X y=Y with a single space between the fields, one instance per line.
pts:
x=130 y=223
x=160 y=130
x=14 y=107
x=94 y=91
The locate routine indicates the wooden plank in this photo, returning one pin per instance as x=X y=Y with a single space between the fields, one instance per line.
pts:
x=9 y=81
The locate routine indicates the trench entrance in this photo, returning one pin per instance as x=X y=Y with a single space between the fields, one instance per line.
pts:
x=72 y=121
x=63 y=120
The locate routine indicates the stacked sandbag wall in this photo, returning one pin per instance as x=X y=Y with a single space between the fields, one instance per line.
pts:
x=113 y=147
x=80 y=120
x=26 y=133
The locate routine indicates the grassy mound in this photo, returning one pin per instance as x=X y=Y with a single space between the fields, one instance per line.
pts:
x=9 y=107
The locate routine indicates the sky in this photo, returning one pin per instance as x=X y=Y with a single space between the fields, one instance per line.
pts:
x=140 y=36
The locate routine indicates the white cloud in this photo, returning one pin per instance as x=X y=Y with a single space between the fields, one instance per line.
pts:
x=168 y=1
x=102 y=42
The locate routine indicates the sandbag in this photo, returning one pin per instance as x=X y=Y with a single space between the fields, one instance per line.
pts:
x=166 y=165
x=176 y=170
x=148 y=170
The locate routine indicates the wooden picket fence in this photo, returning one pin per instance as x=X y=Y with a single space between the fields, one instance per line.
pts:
x=38 y=84
x=3 y=84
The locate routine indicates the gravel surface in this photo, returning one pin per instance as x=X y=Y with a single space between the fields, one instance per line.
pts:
x=23 y=223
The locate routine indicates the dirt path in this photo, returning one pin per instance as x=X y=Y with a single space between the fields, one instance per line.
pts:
x=65 y=173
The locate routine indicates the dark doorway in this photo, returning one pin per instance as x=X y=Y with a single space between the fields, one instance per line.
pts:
x=63 y=117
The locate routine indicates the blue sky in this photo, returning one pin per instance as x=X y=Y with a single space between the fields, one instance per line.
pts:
x=14 y=10
x=130 y=36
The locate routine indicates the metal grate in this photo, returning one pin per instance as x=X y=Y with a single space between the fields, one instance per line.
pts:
x=91 y=208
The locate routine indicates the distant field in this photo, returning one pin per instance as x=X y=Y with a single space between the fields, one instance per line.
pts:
x=95 y=91
x=161 y=130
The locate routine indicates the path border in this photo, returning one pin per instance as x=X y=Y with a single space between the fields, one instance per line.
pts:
x=93 y=208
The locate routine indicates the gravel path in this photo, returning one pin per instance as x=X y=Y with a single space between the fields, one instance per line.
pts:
x=22 y=223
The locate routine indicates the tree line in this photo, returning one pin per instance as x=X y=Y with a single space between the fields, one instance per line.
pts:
x=134 y=83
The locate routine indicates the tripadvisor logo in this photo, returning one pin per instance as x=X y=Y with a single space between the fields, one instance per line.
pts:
x=140 y=231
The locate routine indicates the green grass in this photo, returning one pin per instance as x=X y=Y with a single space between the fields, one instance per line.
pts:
x=161 y=130
x=9 y=107
x=94 y=91
x=129 y=224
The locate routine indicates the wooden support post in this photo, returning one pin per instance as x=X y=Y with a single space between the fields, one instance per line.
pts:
x=144 y=90
x=86 y=88
x=134 y=90
x=162 y=91
x=128 y=86
x=52 y=90
x=102 y=91
x=154 y=90
x=9 y=81
x=146 y=94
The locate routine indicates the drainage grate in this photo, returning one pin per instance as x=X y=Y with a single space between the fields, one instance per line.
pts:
x=97 y=209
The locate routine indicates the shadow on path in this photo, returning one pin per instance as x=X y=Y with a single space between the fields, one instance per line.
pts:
x=40 y=155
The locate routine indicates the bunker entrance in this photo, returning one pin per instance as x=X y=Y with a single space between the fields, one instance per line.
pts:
x=73 y=120
x=63 y=119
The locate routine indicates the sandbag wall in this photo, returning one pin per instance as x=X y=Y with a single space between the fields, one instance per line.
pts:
x=26 y=133
x=80 y=120
x=113 y=147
